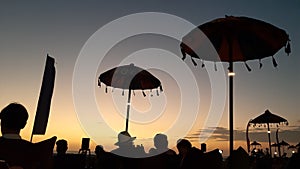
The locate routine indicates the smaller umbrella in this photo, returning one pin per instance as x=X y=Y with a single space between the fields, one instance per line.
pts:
x=255 y=143
x=268 y=118
x=292 y=147
x=283 y=144
x=275 y=145
x=129 y=77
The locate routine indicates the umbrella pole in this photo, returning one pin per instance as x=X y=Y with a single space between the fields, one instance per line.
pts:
x=247 y=137
x=230 y=107
x=128 y=108
x=278 y=146
x=269 y=136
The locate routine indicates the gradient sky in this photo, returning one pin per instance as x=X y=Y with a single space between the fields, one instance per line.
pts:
x=29 y=30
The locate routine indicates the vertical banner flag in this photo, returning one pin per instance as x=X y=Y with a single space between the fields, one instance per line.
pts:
x=43 y=107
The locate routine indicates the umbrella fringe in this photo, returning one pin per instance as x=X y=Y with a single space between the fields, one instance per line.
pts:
x=288 y=48
x=260 y=64
x=144 y=94
x=202 y=64
x=248 y=67
x=194 y=62
x=133 y=92
x=161 y=89
x=183 y=54
x=123 y=93
x=215 y=66
x=99 y=83
x=274 y=62
x=106 y=89
x=157 y=93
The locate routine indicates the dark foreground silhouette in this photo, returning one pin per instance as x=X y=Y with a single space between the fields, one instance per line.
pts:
x=16 y=153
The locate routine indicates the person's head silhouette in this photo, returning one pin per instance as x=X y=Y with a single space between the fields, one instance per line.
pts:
x=183 y=146
x=61 y=146
x=13 y=118
x=99 y=150
x=161 y=141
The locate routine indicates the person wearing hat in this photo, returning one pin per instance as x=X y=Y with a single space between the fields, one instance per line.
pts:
x=126 y=146
x=13 y=149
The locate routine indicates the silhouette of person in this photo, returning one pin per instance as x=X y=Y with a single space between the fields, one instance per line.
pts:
x=126 y=146
x=103 y=158
x=161 y=156
x=64 y=160
x=61 y=147
x=61 y=159
x=16 y=151
x=161 y=145
x=190 y=157
x=127 y=154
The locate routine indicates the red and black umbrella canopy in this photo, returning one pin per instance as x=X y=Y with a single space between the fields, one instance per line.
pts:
x=129 y=77
x=237 y=39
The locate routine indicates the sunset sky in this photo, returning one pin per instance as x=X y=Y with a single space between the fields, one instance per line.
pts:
x=193 y=103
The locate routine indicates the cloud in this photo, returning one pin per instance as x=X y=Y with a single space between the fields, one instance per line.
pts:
x=289 y=134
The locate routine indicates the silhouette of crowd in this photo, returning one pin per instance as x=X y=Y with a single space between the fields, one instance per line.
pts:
x=17 y=153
